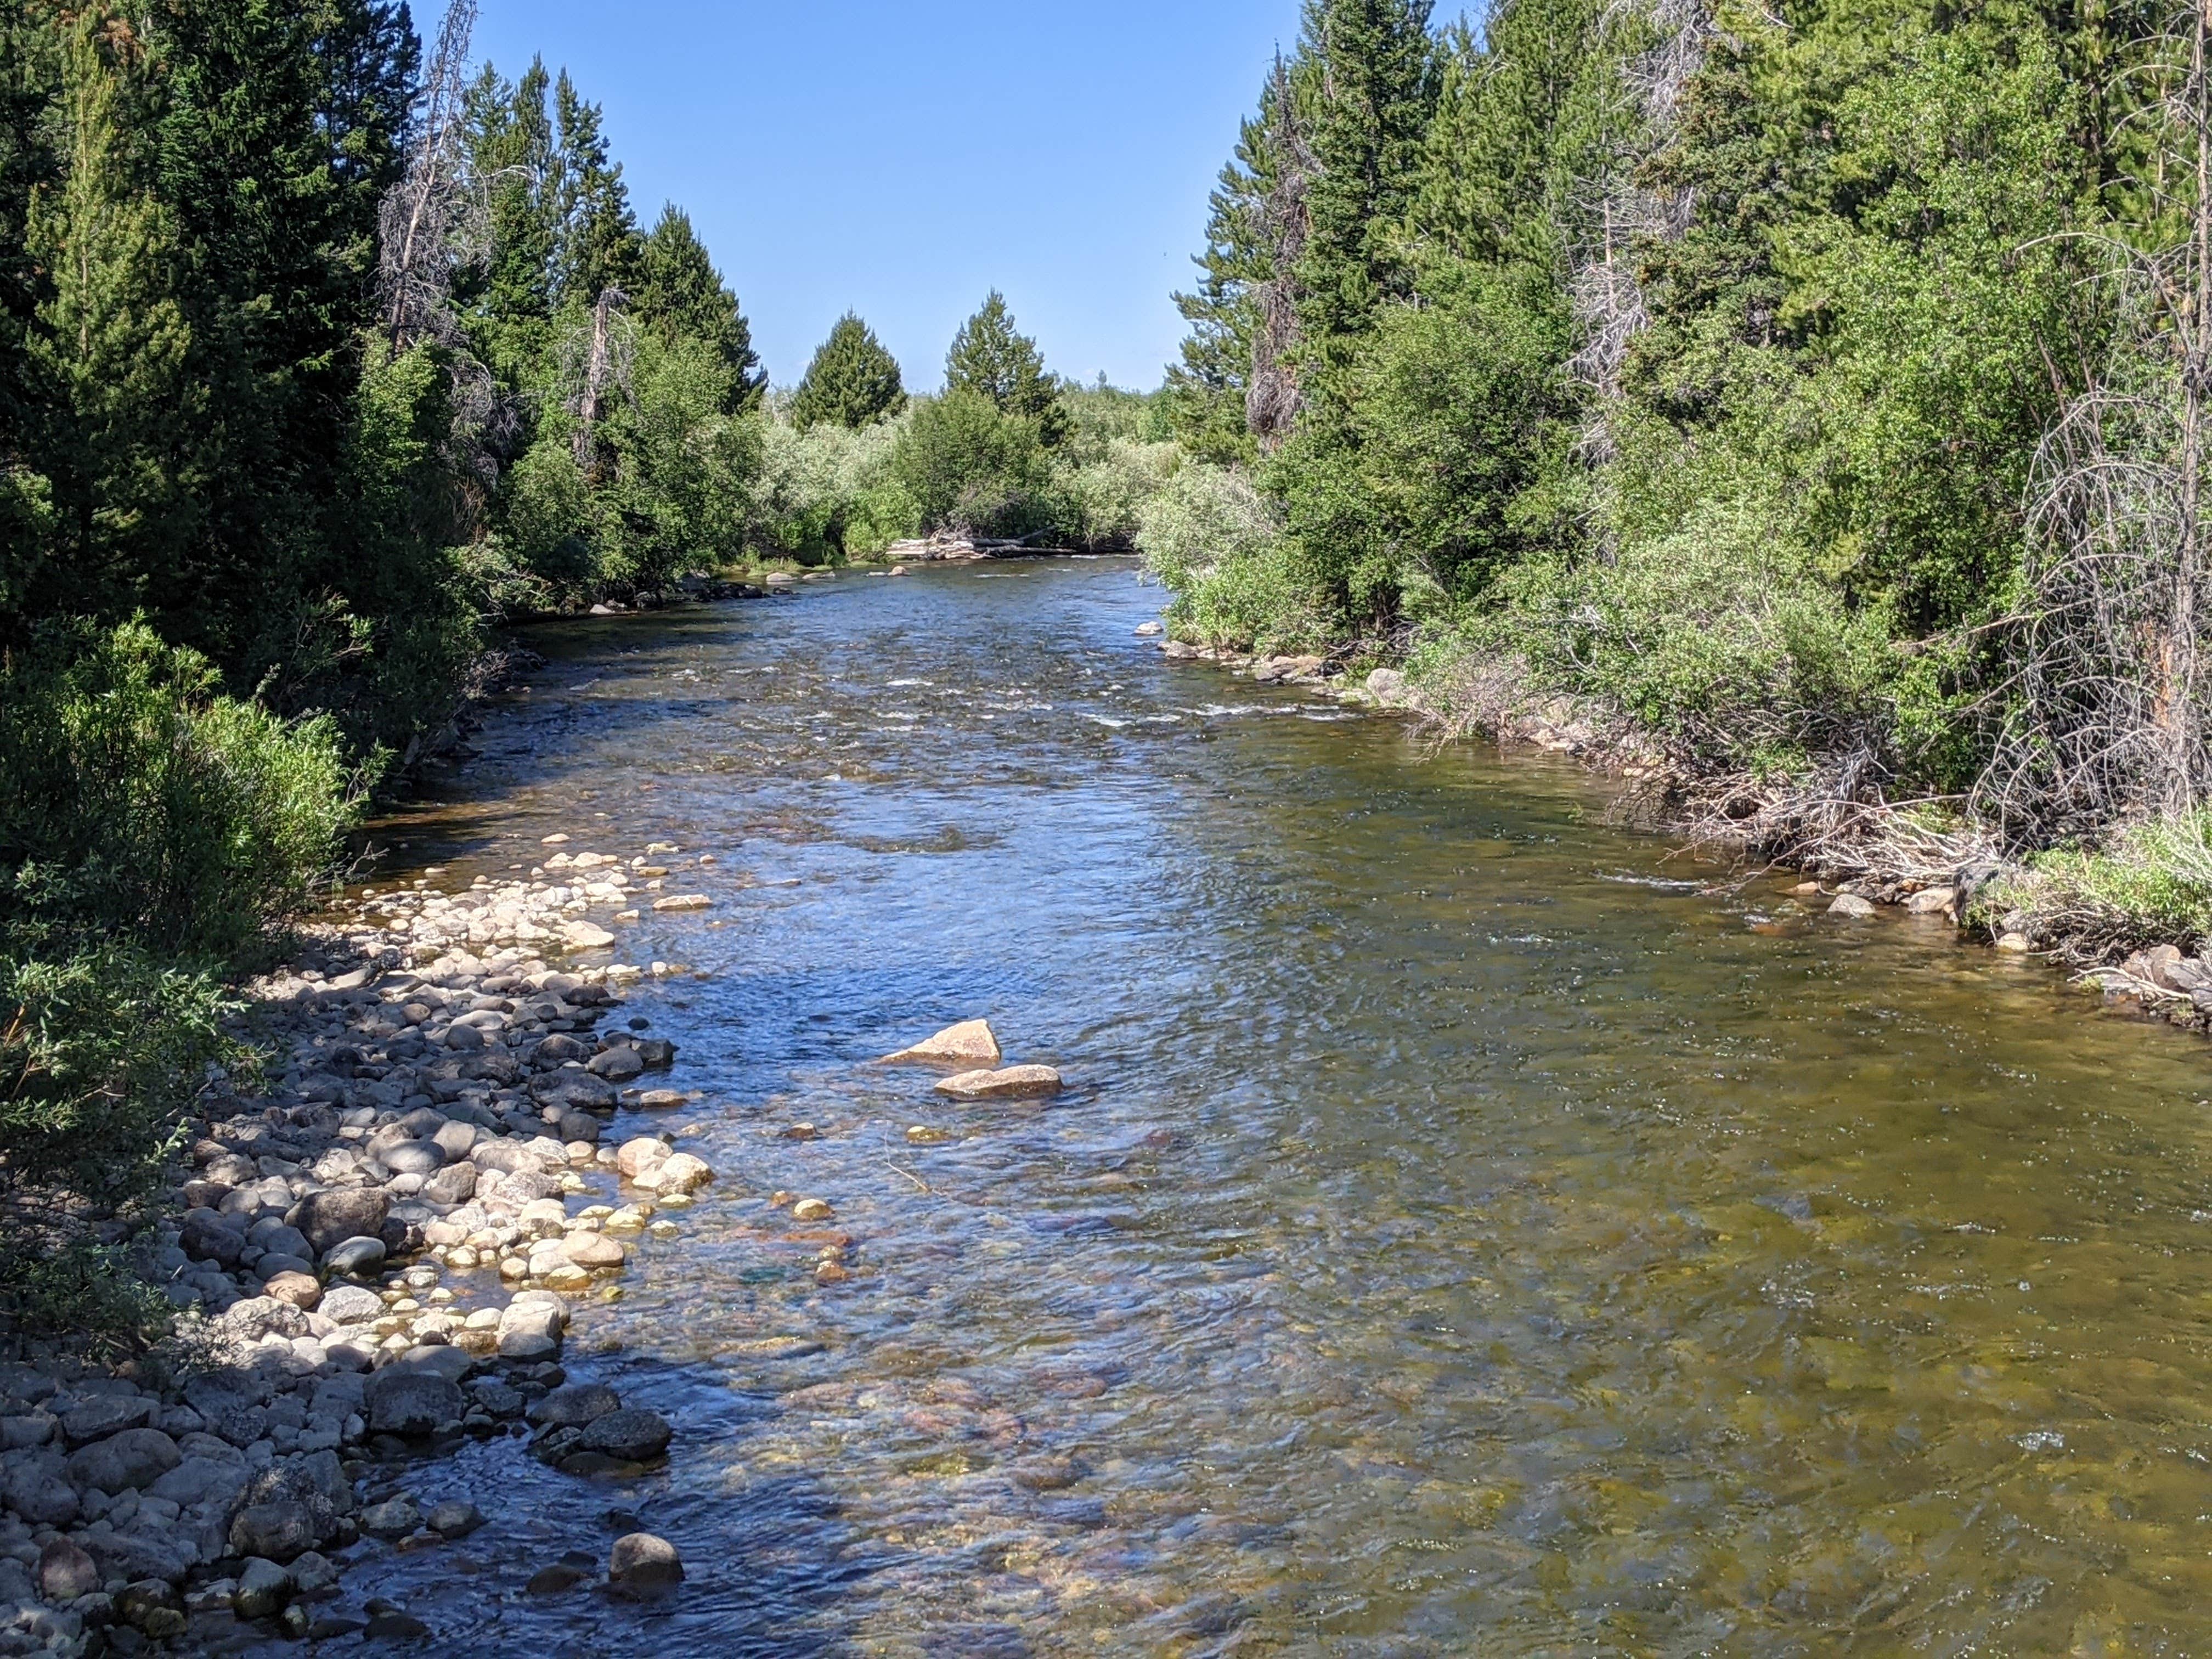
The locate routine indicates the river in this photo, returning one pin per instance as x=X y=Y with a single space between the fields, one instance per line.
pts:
x=1468 y=1229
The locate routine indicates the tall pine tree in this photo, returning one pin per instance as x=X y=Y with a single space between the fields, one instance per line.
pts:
x=992 y=358
x=599 y=247
x=679 y=291
x=1375 y=67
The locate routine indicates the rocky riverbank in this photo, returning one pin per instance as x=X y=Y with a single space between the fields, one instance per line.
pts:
x=375 y=1254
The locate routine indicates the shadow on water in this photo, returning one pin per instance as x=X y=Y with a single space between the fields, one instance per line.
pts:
x=1466 y=1232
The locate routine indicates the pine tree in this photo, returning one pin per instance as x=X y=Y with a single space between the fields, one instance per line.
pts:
x=1206 y=390
x=851 y=382
x=513 y=157
x=110 y=340
x=1375 y=67
x=679 y=291
x=598 y=246
x=991 y=358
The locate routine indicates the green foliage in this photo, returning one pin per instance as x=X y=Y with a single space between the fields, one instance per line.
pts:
x=1375 y=65
x=152 y=833
x=853 y=381
x=991 y=359
x=681 y=295
x=1217 y=543
x=1429 y=475
x=139 y=803
x=975 y=468
x=828 y=492
x=2150 y=884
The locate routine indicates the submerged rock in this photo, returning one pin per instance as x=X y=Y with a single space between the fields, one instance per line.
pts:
x=1014 y=1083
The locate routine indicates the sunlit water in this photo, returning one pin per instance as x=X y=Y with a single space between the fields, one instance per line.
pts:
x=1464 y=1234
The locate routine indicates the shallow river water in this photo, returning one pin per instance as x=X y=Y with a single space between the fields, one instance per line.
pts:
x=1466 y=1231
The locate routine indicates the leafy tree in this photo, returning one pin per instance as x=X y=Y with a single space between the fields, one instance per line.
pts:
x=852 y=381
x=971 y=466
x=681 y=295
x=990 y=358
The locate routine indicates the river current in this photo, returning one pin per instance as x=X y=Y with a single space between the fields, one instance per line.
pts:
x=1469 y=1229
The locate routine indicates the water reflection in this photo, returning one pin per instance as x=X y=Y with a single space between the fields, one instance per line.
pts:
x=1466 y=1234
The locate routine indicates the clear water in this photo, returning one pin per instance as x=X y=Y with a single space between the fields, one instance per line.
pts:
x=1464 y=1233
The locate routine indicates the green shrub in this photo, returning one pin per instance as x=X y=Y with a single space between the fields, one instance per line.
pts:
x=1718 y=637
x=971 y=467
x=1217 y=544
x=827 y=491
x=1107 y=494
x=2150 y=884
x=136 y=803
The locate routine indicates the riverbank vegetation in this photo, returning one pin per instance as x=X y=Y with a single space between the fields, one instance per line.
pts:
x=1813 y=393
x=323 y=352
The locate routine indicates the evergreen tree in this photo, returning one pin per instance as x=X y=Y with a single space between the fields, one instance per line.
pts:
x=852 y=381
x=512 y=155
x=679 y=291
x=598 y=246
x=1375 y=66
x=992 y=359
x=1206 y=390
x=110 y=339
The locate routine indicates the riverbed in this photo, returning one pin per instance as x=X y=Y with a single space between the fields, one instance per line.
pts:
x=1470 y=1228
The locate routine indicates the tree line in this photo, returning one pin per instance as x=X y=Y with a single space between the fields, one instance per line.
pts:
x=1813 y=389
x=323 y=351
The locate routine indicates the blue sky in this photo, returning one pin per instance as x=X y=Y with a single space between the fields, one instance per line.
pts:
x=902 y=159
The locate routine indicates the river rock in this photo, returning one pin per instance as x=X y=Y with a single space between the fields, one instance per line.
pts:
x=106 y=1414
x=277 y=1531
x=331 y=1217
x=125 y=1462
x=351 y=1304
x=302 y=1290
x=454 y=1518
x=585 y=936
x=628 y=1436
x=639 y=1153
x=463 y=1039
x=574 y=1405
x=679 y=1173
x=1852 y=906
x=529 y=1330
x=415 y=1158
x=1014 y=1083
x=969 y=1043
x=411 y=1403
x=1387 y=686
x=66 y=1572
x=616 y=1065
x=589 y=1249
x=1930 y=900
x=206 y=1236
x=354 y=1256
x=262 y=1589
x=642 y=1562
x=396 y=1518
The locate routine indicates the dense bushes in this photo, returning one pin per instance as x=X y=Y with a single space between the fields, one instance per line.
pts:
x=1715 y=366
x=152 y=833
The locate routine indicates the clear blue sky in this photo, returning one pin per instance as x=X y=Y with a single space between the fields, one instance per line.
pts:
x=902 y=157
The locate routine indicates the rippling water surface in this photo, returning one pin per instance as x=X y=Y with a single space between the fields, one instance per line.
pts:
x=1463 y=1234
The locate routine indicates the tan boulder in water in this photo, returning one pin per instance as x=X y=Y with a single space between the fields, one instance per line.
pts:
x=969 y=1043
x=1015 y=1082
